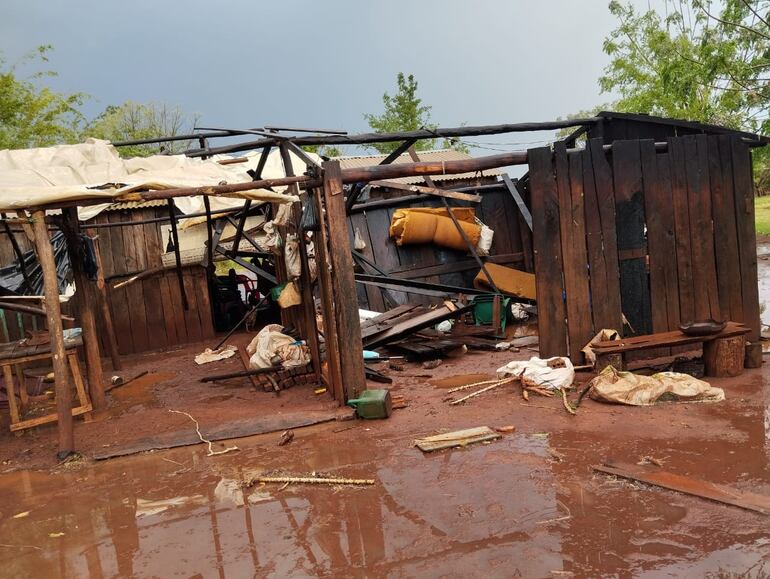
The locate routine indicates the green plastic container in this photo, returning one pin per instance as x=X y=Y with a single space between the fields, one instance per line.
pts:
x=373 y=404
x=482 y=310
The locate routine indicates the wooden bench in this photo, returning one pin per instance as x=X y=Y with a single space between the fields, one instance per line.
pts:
x=14 y=355
x=723 y=353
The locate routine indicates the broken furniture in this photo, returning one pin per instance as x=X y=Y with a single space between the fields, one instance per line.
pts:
x=14 y=355
x=730 y=339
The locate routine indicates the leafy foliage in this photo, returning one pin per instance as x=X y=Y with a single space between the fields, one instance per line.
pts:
x=134 y=121
x=694 y=62
x=33 y=116
x=404 y=111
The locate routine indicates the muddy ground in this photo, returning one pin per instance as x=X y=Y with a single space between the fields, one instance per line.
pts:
x=526 y=505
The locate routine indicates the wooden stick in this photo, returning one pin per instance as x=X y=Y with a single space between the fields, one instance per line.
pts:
x=428 y=191
x=495 y=385
x=312 y=480
x=31 y=309
x=53 y=310
x=244 y=373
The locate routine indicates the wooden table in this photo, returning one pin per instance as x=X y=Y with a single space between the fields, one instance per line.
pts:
x=14 y=355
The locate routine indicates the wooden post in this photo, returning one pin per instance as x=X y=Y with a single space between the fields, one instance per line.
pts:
x=340 y=260
x=103 y=296
x=53 y=311
x=86 y=301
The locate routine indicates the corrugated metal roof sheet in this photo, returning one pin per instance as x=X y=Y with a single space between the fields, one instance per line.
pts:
x=355 y=161
x=130 y=205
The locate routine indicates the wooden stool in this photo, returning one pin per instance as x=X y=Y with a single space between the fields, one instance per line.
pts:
x=19 y=355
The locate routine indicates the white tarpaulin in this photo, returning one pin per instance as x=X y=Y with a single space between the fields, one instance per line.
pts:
x=93 y=170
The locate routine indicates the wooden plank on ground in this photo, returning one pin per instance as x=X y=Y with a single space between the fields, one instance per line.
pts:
x=661 y=242
x=684 y=484
x=601 y=237
x=573 y=245
x=747 y=237
x=629 y=220
x=457 y=438
x=547 y=253
x=725 y=227
x=682 y=229
x=702 y=240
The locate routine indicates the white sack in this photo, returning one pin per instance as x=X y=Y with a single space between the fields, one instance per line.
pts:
x=537 y=372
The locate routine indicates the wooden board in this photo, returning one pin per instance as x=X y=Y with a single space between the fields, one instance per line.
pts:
x=629 y=223
x=682 y=229
x=456 y=438
x=601 y=239
x=569 y=179
x=702 y=240
x=725 y=228
x=547 y=253
x=683 y=484
x=747 y=239
x=661 y=241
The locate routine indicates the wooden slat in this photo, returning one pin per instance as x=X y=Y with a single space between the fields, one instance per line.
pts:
x=661 y=242
x=191 y=319
x=702 y=241
x=747 y=238
x=629 y=220
x=114 y=255
x=460 y=196
x=682 y=229
x=601 y=238
x=149 y=242
x=547 y=252
x=725 y=228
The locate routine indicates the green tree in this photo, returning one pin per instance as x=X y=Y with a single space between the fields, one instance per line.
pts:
x=134 y=121
x=404 y=111
x=694 y=62
x=35 y=116
x=327 y=151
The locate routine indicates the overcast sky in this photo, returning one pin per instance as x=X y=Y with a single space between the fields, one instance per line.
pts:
x=322 y=64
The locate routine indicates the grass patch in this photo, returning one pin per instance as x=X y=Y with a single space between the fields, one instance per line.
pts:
x=762 y=207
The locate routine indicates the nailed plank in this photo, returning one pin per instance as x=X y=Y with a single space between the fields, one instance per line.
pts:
x=547 y=253
x=414 y=324
x=702 y=242
x=725 y=227
x=682 y=229
x=629 y=220
x=575 y=259
x=661 y=243
x=601 y=237
x=684 y=484
x=743 y=183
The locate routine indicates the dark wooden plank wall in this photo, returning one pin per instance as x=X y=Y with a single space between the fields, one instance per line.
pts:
x=676 y=228
x=148 y=315
x=17 y=323
x=497 y=210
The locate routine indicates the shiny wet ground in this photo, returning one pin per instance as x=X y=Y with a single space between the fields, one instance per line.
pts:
x=527 y=505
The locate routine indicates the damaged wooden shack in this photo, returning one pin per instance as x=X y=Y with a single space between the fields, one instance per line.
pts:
x=632 y=223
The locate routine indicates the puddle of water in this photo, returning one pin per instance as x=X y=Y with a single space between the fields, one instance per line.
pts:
x=513 y=507
x=460 y=380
